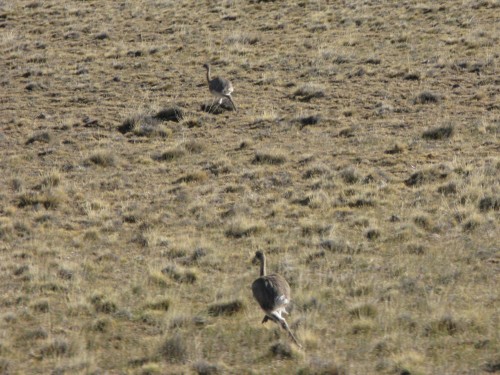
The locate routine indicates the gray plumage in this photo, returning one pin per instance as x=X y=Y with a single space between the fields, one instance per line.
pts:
x=219 y=87
x=272 y=292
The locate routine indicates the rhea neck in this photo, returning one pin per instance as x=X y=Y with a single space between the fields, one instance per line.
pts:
x=263 y=266
x=208 y=73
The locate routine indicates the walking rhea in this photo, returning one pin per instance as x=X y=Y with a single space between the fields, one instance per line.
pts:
x=219 y=87
x=272 y=292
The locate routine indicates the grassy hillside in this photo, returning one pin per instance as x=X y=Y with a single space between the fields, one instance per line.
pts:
x=363 y=159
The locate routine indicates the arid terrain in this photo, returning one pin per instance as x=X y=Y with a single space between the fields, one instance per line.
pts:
x=364 y=159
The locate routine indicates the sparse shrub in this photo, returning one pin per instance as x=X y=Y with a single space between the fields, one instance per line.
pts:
x=158 y=279
x=43 y=137
x=226 y=308
x=103 y=159
x=102 y=35
x=56 y=348
x=162 y=304
x=372 y=234
x=448 y=189
x=242 y=39
x=315 y=172
x=242 y=228
x=308 y=120
x=18 y=271
x=362 y=326
x=218 y=167
x=407 y=322
x=101 y=304
x=347 y=132
x=489 y=203
x=35 y=334
x=322 y=367
x=50 y=181
x=5 y=365
x=65 y=274
x=205 y=368
x=491 y=366
x=193 y=147
x=361 y=202
x=174 y=350
x=282 y=351
x=273 y=158
x=416 y=249
x=175 y=114
x=472 y=223
x=337 y=246
x=396 y=149
x=309 y=91
x=430 y=175
x=146 y=126
x=41 y=306
x=350 y=175
x=412 y=76
x=181 y=276
x=198 y=176
x=441 y=132
x=446 y=325
x=48 y=199
x=170 y=154
x=150 y=369
x=151 y=318
x=101 y=325
x=312 y=228
x=427 y=97
x=364 y=310
x=423 y=221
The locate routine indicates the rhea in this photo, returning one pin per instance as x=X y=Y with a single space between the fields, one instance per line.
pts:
x=219 y=87
x=272 y=292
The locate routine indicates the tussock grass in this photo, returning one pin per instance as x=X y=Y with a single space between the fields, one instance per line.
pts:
x=49 y=199
x=206 y=368
x=308 y=92
x=43 y=137
x=489 y=203
x=148 y=126
x=436 y=173
x=198 y=176
x=283 y=350
x=170 y=154
x=337 y=246
x=363 y=310
x=174 y=349
x=103 y=305
x=269 y=157
x=225 y=308
x=57 y=348
x=243 y=228
x=180 y=275
x=162 y=304
x=427 y=97
x=441 y=132
x=102 y=159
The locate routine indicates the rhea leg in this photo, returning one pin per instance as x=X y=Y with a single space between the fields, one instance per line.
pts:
x=276 y=317
x=284 y=325
x=232 y=103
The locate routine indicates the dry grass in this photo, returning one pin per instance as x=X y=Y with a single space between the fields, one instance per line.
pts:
x=363 y=159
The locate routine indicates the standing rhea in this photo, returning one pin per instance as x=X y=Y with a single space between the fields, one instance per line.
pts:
x=272 y=292
x=219 y=87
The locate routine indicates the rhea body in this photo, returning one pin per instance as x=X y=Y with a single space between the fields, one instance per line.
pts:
x=272 y=292
x=219 y=87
